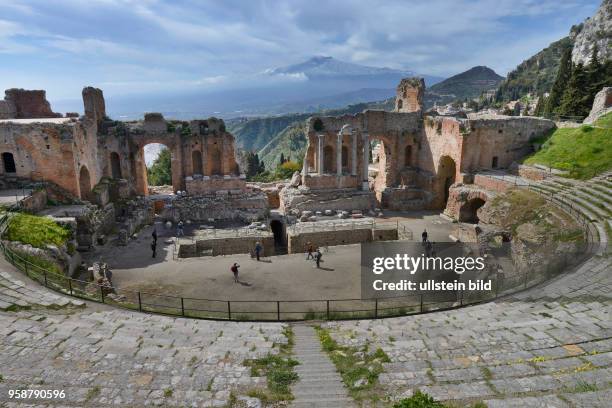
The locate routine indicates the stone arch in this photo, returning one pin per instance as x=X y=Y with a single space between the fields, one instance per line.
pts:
x=8 y=161
x=115 y=162
x=328 y=159
x=408 y=156
x=85 y=183
x=278 y=230
x=196 y=162
x=447 y=170
x=213 y=160
x=468 y=212
x=495 y=162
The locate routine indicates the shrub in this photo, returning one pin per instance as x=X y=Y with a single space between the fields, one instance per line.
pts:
x=36 y=231
x=419 y=400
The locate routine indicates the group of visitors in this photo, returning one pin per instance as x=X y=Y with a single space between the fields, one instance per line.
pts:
x=317 y=256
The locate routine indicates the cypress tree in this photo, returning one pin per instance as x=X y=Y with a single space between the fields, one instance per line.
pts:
x=563 y=76
x=574 y=101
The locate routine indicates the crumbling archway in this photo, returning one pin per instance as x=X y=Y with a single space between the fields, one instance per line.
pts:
x=8 y=160
x=278 y=231
x=85 y=184
x=115 y=162
x=468 y=211
x=446 y=176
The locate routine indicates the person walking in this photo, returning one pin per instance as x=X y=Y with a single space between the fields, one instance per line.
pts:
x=424 y=236
x=258 y=249
x=309 y=251
x=318 y=257
x=179 y=229
x=154 y=248
x=234 y=270
x=154 y=234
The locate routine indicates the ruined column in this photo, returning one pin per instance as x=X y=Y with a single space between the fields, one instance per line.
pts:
x=366 y=161
x=354 y=153
x=339 y=154
x=320 y=155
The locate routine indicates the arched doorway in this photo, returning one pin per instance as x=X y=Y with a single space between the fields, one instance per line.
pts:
x=468 y=211
x=278 y=230
x=196 y=162
x=214 y=161
x=9 y=163
x=345 y=159
x=495 y=162
x=408 y=156
x=446 y=175
x=115 y=165
x=85 y=184
x=156 y=167
x=328 y=159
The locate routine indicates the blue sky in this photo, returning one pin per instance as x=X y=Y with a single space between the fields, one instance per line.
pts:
x=142 y=46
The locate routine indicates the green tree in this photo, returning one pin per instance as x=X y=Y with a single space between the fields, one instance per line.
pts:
x=160 y=172
x=574 y=101
x=563 y=76
x=539 y=109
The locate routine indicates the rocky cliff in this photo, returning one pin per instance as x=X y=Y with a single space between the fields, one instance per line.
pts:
x=595 y=30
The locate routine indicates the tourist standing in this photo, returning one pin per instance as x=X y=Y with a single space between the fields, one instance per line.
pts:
x=234 y=270
x=318 y=257
x=154 y=234
x=424 y=236
x=179 y=229
x=154 y=248
x=309 y=251
x=258 y=249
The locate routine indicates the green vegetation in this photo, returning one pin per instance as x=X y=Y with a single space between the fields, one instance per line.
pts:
x=279 y=371
x=359 y=368
x=36 y=231
x=464 y=86
x=536 y=74
x=160 y=172
x=576 y=85
x=289 y=143
x=584 y=152
x=41 y=263
x=605 y=121
x=517 y=207
x=282 y=171
x=92 y=393
x=421 y=400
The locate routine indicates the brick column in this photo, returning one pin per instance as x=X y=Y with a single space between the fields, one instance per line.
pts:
x=366 y=158
x=339 y=154
x=354 y=153
x=320 y=155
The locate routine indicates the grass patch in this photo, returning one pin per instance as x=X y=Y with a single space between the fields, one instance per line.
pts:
x=36 y=231
x=583 y=386
x=605 y=121
x=278 y=369
x=421 y=400
x=92 y=393
x=583 y=152
x=40 y=263
x=359 y=368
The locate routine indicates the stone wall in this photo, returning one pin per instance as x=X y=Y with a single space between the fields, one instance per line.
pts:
x=409 y=95
x=228 y=246
x=199 y=185
x=94 y=105
x=245 y=206
x=297 y=241
x=29 y=104
x=601 y=105
x=462 y=196
x=35 y=202
x=300 y=199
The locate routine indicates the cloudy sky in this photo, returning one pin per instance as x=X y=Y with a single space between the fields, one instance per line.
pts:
x=139 y=46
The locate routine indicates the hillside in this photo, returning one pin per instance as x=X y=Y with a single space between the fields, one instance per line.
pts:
x=584 y=151
x=255 y=134
x=595 y=30
x=536 y=74
x=469 y=84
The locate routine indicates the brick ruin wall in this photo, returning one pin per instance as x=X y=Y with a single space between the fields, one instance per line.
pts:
x=227 y=246
x=297 y=241
x=23 y=104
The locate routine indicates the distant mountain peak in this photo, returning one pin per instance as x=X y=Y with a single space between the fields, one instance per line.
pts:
x=326 y=66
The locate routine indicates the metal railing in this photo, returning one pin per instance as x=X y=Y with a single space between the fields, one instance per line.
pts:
x=287 y=310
